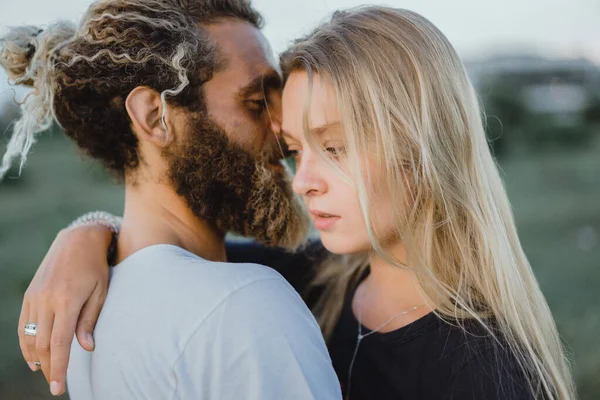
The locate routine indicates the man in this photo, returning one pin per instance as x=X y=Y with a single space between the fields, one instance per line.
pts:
x=181 y=100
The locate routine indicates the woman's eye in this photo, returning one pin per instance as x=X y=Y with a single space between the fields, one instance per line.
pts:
x=335 y=151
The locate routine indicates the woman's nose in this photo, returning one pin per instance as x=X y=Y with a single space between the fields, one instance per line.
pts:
x=308 y=180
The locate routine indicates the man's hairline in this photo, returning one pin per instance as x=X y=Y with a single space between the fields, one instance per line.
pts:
x=222 y=62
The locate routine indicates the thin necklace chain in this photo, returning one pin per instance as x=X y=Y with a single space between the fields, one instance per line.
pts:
x=360 y=336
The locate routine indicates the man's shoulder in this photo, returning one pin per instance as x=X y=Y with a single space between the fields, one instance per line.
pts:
x=177 y=264
x=180 y=283
x=207 y=319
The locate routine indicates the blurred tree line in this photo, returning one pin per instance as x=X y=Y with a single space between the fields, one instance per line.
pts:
x=510 y=124
x=536 y=111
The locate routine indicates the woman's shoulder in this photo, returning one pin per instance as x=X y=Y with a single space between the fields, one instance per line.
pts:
x=493 y=373
x=476 y=361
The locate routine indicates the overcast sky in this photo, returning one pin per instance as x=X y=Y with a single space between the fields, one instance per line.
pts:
x=562 y=28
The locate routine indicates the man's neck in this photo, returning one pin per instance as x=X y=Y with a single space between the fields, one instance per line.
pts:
x=155 y=214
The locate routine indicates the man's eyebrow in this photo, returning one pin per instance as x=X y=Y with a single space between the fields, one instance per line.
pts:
x=262 y=83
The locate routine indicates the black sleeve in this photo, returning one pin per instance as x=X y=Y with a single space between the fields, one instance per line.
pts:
x=296 y=267
x=490 y=376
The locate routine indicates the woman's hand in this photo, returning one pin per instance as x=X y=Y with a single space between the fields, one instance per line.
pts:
x=64 y=297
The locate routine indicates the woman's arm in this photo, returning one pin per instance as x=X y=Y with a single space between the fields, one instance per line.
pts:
x=65 y=297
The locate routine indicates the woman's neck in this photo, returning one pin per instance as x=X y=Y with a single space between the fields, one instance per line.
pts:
x=387 y=292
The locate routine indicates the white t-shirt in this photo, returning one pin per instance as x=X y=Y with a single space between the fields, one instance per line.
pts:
x=176 y=326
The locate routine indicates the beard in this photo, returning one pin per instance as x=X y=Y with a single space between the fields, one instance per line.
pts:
x=235 y=190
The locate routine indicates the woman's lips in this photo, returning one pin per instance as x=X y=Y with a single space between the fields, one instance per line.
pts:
x=322 y=220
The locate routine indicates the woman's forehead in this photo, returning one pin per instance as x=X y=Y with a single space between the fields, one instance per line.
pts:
x=297 y=94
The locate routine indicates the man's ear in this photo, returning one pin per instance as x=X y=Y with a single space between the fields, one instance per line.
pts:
x=145 y=111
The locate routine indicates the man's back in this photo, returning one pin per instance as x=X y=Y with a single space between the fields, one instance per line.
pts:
x=176 y=326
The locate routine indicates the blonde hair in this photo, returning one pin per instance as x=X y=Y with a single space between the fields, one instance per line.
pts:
x=405 y=98
x=25 y=55
x=81 y=75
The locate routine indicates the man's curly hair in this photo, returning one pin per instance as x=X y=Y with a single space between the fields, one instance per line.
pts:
x=82 y=75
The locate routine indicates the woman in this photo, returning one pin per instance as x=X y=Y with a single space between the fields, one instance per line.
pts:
x=430 y=294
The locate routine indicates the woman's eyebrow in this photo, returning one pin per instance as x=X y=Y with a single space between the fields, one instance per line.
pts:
x=286 y=134
x=323 y=128
x=317 y=131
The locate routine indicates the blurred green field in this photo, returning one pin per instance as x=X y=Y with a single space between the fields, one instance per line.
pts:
x=555 y=195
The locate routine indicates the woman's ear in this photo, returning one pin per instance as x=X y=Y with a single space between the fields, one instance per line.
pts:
x=145 y=110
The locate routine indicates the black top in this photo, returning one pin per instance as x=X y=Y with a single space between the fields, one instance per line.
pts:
x=427 y=359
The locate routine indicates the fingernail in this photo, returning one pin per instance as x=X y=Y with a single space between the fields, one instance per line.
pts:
x=32 y=366
x=55 y=388
x=90 y=340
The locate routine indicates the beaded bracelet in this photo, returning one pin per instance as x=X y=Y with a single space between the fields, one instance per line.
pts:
x=107 y=220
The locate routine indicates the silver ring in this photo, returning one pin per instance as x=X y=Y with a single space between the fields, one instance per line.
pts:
x=31 y=329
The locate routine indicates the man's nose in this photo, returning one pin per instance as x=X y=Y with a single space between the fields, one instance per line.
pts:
x=276 y=124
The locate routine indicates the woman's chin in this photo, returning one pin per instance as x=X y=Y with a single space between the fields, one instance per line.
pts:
x=341 y=244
